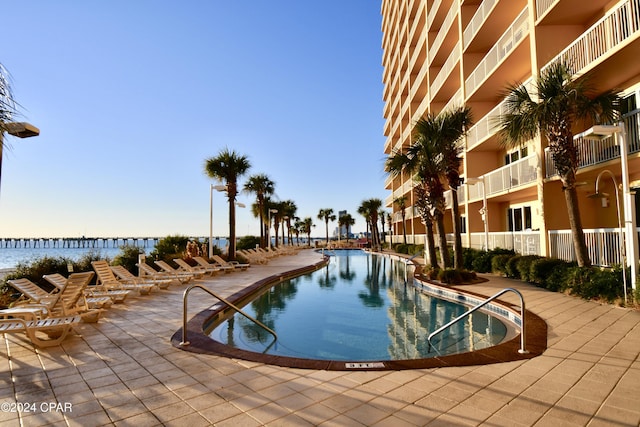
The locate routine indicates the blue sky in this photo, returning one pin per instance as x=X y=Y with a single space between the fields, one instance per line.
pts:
x=131 y=97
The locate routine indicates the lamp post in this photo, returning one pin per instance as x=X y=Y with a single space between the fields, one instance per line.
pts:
x=211 y=188
x=621 y=243
x=19 y=129
x=484 y=211
x=269 y=228
x=628 y=198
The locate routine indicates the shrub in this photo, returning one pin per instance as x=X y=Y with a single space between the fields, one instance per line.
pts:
x=482 y=262
x=511 y=268
x=248 y=242
x=128 y=257
x=591 y=282
x=499 y=263
x=468 y=256
x=549 y=273
x=169 y=248
x=450 y=276
x=524 y=266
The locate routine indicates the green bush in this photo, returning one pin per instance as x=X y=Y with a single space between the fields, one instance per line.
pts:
x=549 y=273
x=468 y=256
x=482 y=262
x=169 y=248
x=450 y=276
x=524 y=266
x=511 y=268
x=593 y=283
x=499 y=263
x=128 y=257
x=248 y=242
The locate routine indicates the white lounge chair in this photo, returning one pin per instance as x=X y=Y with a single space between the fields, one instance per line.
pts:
x=147 y=271
x=57 y=328
x=59 y=281
x=108 y=280
x=216 y=265
x=168 y=269
x=126 y=276
x=196 y=271
x=234 y=264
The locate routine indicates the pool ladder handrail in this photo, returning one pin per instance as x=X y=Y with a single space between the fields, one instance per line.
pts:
x=210 y=292
x=523 y=337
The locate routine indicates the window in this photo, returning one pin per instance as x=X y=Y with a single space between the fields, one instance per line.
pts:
x=518 y=154
x=519 y=219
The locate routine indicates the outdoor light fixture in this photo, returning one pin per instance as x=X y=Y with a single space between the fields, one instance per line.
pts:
x=485 y=210
x=211 y=188
x=19 y=129
x=597 y=133
x=621 y=244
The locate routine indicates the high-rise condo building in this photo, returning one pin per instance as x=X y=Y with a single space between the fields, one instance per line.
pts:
x=442 y=54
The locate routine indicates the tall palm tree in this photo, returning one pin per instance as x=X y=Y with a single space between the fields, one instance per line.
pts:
x=425 y=162
x=382 y=215
x=369 y=209
x=401 y=202
x=227 y=167
x=289 y=210
x=262 y=186
x=453 y=125
x=305 y=227
x=346 y=221
x=326 y=215
x=560 y=103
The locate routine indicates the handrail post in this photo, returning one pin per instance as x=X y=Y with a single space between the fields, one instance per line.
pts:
x=185 y=294
x=523 y=328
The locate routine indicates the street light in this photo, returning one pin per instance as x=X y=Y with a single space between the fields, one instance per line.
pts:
x=211 y=188
x=19 y=129
x=484 y=211
x=599 y=195
x=269 y=229
x=600 y=132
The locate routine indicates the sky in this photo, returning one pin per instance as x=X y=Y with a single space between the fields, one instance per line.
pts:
x=132 y=97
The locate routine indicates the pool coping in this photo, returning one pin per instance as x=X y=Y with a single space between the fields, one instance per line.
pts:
x=199 y=342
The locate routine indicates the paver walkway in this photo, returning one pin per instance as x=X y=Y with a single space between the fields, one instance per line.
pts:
x=124 y=371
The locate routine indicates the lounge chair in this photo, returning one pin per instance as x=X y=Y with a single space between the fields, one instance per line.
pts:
x=147 y=270
x=234 y=264
x=59 y=281
x=108 y=280
x=196 y=271
x=34 y=303
x=219 y=267
x=253 y=257
x=168 y=269
x=57 y=328
x=126 y=276
x=72 y=300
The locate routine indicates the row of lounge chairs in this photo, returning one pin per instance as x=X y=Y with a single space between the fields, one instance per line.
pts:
x=72 y=301
x=262 y=256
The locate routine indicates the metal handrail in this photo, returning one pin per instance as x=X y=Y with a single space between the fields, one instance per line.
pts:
x=523 y=339
x=184 y=313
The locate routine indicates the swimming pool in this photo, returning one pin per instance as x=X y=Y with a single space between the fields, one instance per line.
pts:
x=358 y=308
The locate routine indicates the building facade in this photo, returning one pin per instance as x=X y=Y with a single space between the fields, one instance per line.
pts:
x=440 y=54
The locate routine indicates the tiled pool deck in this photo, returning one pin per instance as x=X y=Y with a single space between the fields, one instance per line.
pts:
x=124 y=371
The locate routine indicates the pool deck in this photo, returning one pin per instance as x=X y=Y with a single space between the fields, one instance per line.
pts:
x=124 y=370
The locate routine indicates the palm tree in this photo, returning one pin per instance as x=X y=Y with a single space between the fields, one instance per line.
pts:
x=289 y=209
x=453 y=126
x=227 y=167
x=305 y=227
x=401 y=203
x=369 y=209
x=7 y=107
x=262 y=186
x=382 y=214
x=424 y=161
x=326 y=215
x=346 y=221
x=560 y=102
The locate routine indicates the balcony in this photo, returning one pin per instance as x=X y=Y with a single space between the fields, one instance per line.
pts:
x=602 y=39
x=443 y=76
x=594 y=152
x=503 y=49
x=509 y=177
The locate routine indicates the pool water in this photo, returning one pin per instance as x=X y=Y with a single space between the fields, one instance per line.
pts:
x=360 y=307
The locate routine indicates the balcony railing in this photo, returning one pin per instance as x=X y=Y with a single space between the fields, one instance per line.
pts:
x=516 y=32
x=446 y=69
x=508 y=177
x=593 y=152
x=523 y=242
x=604 y=36
x=542 y=6
x=603 y=245
x=477 y=21
x=442 y=32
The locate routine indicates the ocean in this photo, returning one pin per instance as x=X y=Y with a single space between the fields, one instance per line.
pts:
x=12 y=256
